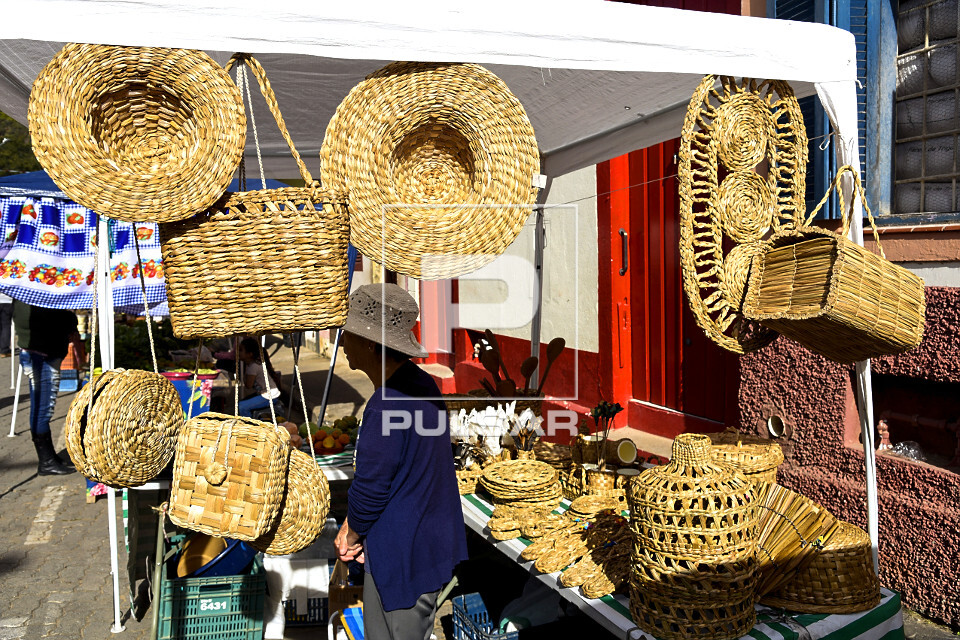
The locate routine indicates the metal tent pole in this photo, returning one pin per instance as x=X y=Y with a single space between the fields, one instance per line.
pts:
x=13 y=350
x=539 y=242
x=16 y=403
x=329 y=382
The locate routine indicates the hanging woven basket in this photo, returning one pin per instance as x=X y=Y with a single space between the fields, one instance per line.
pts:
x=840 y=578
x=833 y=296
x=440 y=162
x=137 y=133
x=229 y=476
x=303 y=511
x=258 y=262
x=130 y=435
x=743 y=158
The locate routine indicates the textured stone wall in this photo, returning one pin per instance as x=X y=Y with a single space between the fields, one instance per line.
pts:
x=919 y=503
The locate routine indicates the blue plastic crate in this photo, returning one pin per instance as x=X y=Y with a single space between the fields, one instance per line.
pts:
x=471 y=620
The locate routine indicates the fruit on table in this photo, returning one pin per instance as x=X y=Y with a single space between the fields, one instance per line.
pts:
x=329 y=443
x=311 y=426
x=335 y=434
x=344 y=439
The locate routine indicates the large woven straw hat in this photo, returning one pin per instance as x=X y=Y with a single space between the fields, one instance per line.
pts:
x=385 y=313
x=137 y=133
x=439 y=160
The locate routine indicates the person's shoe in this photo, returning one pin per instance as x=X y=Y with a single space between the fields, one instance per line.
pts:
x=50 y=464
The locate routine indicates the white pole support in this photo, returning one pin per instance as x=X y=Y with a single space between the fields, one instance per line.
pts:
x=13 y=350
x=114 y=562
x=16 y=403
x=865 y=403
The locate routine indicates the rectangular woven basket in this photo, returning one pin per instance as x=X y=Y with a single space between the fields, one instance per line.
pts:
x=256 y=262
x=271 y=261
x=835 y=297
x=229 y=475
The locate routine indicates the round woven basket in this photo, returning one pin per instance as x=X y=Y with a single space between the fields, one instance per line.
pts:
x=679 y=600
x=694 y=508
x=467 y=479
x=76 y=425
x=229 y=476
x=743 y=158
x=137 y=133
x=439 y=160
x=839 y=579
x=131 y=433
x=303 y=511
x=756 y=458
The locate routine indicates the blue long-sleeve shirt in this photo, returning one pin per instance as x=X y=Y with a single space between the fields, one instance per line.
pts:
x=404 y=498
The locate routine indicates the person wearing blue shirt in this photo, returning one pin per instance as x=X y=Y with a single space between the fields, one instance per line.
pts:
x=404 y=519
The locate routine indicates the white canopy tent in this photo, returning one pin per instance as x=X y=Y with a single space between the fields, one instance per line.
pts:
x=598 y=79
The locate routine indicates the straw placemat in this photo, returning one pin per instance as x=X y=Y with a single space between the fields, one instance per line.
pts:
x=743 y=157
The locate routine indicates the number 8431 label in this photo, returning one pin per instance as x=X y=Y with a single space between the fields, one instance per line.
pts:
x=214 y=605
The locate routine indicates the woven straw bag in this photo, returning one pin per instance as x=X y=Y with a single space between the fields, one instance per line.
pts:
x=303 y=511
x=229 y=476
x=137 y=133
x=439 y=160
x=839 y=579
x=256 y=262
x=833 y=296
x=741 y=174
x=130 y=434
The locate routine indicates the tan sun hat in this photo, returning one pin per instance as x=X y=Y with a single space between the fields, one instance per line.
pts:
x=139 y=134
x=440 y=161
x=385 y=313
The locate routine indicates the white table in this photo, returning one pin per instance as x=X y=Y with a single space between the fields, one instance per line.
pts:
x=884 y=622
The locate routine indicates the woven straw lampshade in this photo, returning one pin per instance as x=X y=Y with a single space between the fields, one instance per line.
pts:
x=439 y=160
x=743 y=158
x=137 y=133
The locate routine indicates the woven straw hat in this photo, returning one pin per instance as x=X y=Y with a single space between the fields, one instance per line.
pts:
x=385 y=313
x=430 y=154
x=137 y=133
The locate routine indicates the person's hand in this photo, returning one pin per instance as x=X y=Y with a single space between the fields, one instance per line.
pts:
x=347 y=543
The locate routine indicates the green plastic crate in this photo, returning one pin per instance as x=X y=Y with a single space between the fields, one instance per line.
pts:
x=220 y=608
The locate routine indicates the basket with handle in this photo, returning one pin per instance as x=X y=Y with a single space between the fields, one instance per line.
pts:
x=256 y=262
x=756 y=458
x=229 y=475
x=832 y=295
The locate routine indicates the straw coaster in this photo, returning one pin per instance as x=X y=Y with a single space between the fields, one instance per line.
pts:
x=502 y=524
x=539 y=527
x=545 y=543
x=612 y=576
x=505 y=535
x=439 y=160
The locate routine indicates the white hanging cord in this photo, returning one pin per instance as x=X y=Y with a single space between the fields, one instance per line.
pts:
x=237 y=382
x=303 y=399
x=266 y=382
x=146 y=306
x=242 y=71
x=93 y=320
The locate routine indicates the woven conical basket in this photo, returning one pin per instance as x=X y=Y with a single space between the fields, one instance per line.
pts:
x=439 y=160
x=137 y=133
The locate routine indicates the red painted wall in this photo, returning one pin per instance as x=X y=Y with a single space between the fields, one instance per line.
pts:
x=919 y=503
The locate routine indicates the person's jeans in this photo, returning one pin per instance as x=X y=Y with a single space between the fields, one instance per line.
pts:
x=251 y=404
x=44 y=375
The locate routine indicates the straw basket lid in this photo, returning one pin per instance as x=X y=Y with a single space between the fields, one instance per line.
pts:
x=839 y=579
x=694 y=507
x=137 y=133
x=748 y=453
x=132 y=429
x=303 y=511
x=229 y=475
x=751 y=134
x=439 y=160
